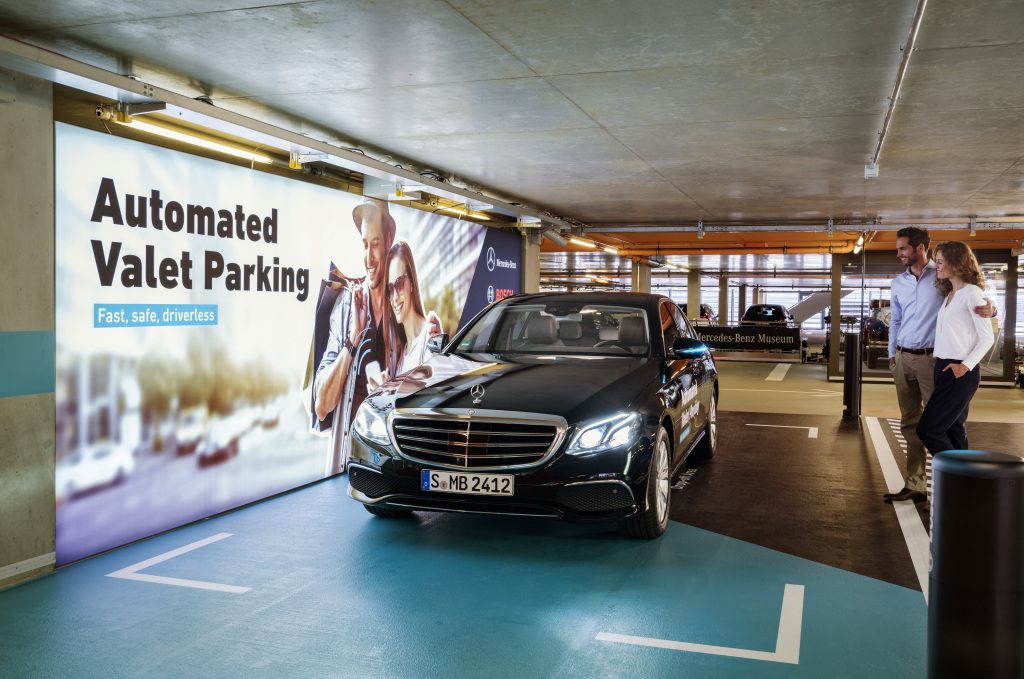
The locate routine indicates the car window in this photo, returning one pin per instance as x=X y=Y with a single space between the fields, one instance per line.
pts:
x=685 y=329
x=764 y=313
x=558 y=329
x=668 y=325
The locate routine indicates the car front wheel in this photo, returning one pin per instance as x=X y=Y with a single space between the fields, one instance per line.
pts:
x=652 y=523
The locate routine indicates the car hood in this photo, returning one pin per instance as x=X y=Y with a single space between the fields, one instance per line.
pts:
x=574 y=388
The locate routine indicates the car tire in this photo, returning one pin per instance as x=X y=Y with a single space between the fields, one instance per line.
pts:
x=388 y=512
x=705 y=449
x=652 y=523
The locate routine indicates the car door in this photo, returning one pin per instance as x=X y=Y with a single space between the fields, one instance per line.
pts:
x=677 y=387
x=697 y=409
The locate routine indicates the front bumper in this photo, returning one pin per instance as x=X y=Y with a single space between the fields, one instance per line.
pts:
x=606 y=486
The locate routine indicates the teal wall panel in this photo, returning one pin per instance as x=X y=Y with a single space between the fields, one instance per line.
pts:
x=26 y=363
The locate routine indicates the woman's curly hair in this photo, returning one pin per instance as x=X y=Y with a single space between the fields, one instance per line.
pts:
x=961 y=261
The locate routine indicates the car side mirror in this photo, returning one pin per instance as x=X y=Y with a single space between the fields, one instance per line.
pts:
x=686 y=347
x=437 y=343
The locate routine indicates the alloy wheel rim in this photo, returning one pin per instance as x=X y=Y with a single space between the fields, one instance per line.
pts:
x=713 y=423
x=662 y=481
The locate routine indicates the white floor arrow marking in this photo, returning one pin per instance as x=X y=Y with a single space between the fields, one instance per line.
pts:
x=779 y=373
x=787 y=645
x=812 y=432
x=132 y=572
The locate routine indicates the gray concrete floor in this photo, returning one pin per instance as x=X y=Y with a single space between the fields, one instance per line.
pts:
x=805 y=391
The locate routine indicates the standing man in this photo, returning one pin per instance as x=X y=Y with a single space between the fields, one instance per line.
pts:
x=355 y=346
x=915 y=306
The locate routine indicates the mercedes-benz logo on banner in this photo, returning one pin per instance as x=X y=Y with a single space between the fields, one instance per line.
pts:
x=477 y=392
x=490 y=294
x=490 y=259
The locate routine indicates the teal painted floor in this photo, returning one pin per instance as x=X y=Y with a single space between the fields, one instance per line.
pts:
x=339 y=593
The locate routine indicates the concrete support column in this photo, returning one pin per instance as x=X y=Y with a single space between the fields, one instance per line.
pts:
x=27 y=340
x=531 y=263
x=723 y=301
x=641 y=277
x=693 y=294
x=742 y=306
x=837 y=322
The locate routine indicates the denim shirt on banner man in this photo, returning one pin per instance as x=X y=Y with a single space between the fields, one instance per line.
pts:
x=915 y=305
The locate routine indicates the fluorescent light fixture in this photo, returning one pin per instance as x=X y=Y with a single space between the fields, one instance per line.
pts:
x=584 y=243
x=856 y=249
x=195 y=141
x=601 y=280
x=860 y=241
x=610 y=249
x=460 y=211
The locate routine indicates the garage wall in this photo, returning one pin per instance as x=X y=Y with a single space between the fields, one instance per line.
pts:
x=26 y=328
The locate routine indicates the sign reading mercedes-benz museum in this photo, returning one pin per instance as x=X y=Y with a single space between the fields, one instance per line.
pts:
x=750 y=338
x=202 y=314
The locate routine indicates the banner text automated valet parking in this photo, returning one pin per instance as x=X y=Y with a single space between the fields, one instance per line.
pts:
x=169 y=272
x=750 y=338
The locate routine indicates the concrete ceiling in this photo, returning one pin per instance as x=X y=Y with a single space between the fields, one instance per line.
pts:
x=647 y=112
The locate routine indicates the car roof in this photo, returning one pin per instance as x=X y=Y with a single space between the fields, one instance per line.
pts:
x=640 y=299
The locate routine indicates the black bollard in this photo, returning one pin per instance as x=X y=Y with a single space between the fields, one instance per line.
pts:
x=852 y=377
x=976 y=580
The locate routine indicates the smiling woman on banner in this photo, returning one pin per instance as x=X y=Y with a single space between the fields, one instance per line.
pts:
x=413 y=326
x=961 y=340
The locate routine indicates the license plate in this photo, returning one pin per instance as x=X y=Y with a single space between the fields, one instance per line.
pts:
x=470 y=484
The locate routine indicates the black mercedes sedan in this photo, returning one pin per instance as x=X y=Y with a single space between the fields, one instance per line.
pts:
x=579 y=406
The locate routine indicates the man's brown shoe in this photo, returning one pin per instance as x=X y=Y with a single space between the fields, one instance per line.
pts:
x=906 y=494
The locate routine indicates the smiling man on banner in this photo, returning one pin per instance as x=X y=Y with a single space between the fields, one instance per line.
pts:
x=355 y=345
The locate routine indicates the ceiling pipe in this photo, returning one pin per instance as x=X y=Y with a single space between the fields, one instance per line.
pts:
x=838 y=249
x=799 y=228
x=915 y=26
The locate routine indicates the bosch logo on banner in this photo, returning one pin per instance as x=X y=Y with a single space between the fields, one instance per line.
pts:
x=500 y=293
x=493 y=261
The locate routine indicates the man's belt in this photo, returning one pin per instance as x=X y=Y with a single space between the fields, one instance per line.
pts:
x=917 y=352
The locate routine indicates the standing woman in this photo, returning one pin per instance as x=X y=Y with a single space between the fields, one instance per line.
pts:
x=961 y=340
x=413 y=327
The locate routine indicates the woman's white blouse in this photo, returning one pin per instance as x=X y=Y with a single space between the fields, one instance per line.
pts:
x=961 y=334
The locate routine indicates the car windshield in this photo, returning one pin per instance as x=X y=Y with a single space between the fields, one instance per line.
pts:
x=561 y=329
x=764 y=313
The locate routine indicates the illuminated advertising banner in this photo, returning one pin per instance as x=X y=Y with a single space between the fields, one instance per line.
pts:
x=217 y=326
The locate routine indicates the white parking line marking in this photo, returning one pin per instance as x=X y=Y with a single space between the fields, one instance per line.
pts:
x=132 y=572
x=812 y=432
x=778 y=373
x=918 y=542
x=787 y=644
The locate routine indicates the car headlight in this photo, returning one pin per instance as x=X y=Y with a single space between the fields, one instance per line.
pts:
x=605 y=434
x=370 y=425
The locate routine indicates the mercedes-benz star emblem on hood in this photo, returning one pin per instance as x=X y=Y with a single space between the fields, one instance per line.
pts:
x=477 y=392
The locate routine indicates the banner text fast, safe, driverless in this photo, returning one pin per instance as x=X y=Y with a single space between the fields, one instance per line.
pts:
x=137 y=272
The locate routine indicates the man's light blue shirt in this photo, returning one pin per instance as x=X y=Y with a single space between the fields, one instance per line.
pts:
x=915 y=305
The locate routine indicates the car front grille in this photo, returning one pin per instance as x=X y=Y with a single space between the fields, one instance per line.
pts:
x=464 y=442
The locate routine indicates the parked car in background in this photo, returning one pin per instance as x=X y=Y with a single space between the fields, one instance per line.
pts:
x=706 y=313
x=511 y=418
x=766 y=314
x=94 y=466
x=191 y=428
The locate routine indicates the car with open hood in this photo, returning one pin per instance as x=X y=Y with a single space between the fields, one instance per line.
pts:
x=579 y=406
